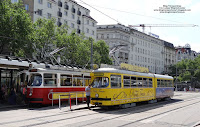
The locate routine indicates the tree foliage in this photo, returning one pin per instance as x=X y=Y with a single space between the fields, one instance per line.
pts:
x=101 y=53
x=187 y=70
x=15 y=28
x=38 y=40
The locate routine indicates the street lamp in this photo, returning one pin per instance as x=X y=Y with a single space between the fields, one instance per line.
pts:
x=176 y=78
x=91 y=56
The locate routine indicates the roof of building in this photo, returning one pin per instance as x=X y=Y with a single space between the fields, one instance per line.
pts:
x=167 y=44
x=90 y=18
x=78 y=4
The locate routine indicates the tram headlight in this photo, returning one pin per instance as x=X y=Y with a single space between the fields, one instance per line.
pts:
x=96 y=95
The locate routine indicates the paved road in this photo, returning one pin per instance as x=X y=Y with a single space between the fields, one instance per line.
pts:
x=182 y=111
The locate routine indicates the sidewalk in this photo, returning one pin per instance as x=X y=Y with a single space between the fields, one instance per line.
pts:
x=6 y=106
x=80 y=106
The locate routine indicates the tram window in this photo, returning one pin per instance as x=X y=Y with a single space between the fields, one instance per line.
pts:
x=100 y=82
x=150 y=82
x=77 y=81
x=35 y=80
x=162 y=83
x=115 y=81
x=86 y=80
x=66 y=80
x=145 y=82
x=166 y=83
x=50 y=79
x=158 y=83
x=127 y=81
x=133 y=82
x=139 y=82
x=170 y=83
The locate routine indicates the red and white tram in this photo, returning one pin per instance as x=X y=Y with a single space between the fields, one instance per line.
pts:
x=42 y=81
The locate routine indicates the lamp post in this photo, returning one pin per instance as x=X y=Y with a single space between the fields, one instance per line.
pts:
x=91 y=53
x=176 y=76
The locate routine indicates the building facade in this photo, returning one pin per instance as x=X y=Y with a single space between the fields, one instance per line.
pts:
x=185 y=52
x=169 y=56
x=142 y=50
x=147 y=51
x=115 y=35
x=67 y=12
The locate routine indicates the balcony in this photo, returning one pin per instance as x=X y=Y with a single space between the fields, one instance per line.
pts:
x=78 y=31
x=59 y=14
x=59 y=23
x=73 y=10
x=66 y=7
x=59 y=3
x=79 y=22
x=79 y=13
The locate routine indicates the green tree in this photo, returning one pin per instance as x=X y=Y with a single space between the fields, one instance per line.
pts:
x=187 y=70
x=44 y=38
x=15 y=28
x=101 y=53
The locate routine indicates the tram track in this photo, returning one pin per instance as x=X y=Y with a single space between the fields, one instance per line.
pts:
x=144 y=107
x=122 y=111
x=168 y=111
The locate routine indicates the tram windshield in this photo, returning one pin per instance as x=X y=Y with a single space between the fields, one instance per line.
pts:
x=100 y=82
x=35 y=80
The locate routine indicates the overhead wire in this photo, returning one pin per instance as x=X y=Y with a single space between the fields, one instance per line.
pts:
x=101 y=12
x=128 y=12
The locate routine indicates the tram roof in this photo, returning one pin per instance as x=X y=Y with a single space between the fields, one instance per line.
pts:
x=74 y=71
x=113 y=70
x=163 y=76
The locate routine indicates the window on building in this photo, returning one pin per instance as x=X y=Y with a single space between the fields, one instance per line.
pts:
x=39 y=12
x=48 y=15
x=72 y=25
x=40 y=1
x=73 y=16
x=66 y=22
x=107 y=36
x=27 y=7
x=65 y=13
x=92 y=23
x=49 y=5
x=87 y=30
x=88 y=22
x=93 y=32
x=102 y=36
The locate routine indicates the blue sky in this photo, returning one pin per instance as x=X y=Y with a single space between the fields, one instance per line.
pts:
x=134 y=12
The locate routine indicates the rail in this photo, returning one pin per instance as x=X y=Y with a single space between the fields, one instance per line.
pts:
x=66 y=95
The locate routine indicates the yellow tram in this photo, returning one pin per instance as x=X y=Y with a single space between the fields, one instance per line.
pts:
x=112 y=86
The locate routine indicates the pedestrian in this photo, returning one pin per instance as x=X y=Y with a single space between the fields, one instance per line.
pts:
x=24 y=94
x=87 y=89
x=12 y=97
